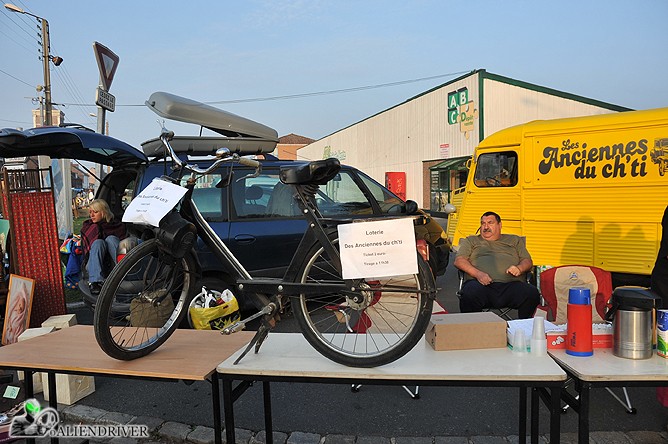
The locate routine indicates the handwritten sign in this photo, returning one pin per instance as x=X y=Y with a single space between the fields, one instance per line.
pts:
x=153 y=203
x=378 y=248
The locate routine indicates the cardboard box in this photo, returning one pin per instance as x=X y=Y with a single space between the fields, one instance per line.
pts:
x=601 y=337
x=69 y=388
x=557 y=340
x=61 y=321
x=36 y=377
x=463 y=331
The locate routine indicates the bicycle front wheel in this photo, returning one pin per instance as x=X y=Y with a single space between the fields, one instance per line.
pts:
x=371 y=327
x=143 y=301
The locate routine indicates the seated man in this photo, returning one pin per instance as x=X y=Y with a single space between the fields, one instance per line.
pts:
x=496 y=265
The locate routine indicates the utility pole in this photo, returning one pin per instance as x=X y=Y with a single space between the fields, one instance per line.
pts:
x=47 y=75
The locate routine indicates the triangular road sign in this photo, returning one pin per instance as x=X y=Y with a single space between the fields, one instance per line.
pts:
x=107 y=62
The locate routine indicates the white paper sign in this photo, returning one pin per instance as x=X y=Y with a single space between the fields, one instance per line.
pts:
x=378 y=248
x=153 y=203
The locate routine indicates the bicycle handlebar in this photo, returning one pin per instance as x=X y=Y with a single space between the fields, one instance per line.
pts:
x=249 y=162
x=223 y=154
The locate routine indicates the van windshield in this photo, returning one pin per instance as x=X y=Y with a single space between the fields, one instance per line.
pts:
x=496 y=170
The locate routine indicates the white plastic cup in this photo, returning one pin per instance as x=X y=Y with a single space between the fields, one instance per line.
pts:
x=538 y=339
x=539 y=347
x=519 y=342
x=538 y=331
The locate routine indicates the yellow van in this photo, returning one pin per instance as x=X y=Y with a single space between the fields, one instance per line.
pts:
x=587 y=190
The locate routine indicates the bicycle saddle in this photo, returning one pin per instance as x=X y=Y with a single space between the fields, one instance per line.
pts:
x=318 y=172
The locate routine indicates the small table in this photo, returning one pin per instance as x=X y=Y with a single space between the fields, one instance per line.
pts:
x=604 y=369
x=288 y=357
x=189 y=355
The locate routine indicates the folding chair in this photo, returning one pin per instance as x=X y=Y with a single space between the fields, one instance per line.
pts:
x=504 y=312
x=554 y=285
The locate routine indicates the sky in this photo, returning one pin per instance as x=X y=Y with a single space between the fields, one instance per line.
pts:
x=314 y=67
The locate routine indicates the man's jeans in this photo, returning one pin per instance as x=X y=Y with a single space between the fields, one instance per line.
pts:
x=98 y=250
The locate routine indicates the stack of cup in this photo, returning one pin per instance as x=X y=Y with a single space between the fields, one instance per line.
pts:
x=538 y=339
x=519 y=342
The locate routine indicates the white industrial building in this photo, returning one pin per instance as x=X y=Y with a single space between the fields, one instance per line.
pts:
x=424 y=142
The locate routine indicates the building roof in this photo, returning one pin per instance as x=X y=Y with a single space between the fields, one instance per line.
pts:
x=294 y=139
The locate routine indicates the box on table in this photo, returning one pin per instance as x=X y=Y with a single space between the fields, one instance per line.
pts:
x=61 y=321
x=601 y=337
x=28 y=334
x=463 y=331
x=69 y=388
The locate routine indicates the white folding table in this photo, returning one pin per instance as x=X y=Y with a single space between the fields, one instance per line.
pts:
x=288 y=357
x=604 y=369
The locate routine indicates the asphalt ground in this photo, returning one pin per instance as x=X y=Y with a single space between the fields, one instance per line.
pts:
x=326 y=409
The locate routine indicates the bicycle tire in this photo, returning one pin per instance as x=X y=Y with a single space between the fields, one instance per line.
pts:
x=143 y=301
x=379 y=331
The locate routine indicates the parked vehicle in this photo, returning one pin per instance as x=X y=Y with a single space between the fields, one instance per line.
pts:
x=587 y=191
x=245 y=212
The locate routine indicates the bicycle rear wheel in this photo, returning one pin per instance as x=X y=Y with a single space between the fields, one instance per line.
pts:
x=143 y=301
x=389 y=317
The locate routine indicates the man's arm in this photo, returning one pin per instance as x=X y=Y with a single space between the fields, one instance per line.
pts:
x=523 y=267
x=465 y=265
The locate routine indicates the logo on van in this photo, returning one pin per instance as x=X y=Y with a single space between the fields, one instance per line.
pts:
x=659 y=154
x=462 y=110
x=620 y=159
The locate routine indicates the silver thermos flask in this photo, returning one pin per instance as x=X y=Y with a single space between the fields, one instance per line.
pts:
x=633 y=318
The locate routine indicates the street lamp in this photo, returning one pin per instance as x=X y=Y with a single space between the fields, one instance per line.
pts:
x=45 y=60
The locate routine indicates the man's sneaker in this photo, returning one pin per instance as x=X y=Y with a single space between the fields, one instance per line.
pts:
x=95 y=287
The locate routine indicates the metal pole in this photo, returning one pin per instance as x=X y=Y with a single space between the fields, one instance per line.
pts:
x=47 y=74
x=100 y=119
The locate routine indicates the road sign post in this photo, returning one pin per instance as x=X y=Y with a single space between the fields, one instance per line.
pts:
x=107 y=62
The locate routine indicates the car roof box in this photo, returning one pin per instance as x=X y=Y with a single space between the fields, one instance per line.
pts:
x=239 y=134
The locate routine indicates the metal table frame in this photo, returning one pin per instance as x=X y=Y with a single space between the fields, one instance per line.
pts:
x=287 y=357
x=603 y=369
x=189 y=355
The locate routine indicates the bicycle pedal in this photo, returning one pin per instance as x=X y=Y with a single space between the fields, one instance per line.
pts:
x=233 y=328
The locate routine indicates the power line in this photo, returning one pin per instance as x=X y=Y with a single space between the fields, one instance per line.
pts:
x=311 y=94
x=17 y=79
x=336 y=91
x=20 y=26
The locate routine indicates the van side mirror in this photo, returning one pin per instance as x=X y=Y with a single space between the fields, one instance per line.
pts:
x=449 y=208
x=411 y=207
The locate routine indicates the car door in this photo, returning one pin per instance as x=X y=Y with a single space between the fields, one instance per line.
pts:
x=265 y=225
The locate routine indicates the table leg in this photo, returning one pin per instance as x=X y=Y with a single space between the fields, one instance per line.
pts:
x=523 y=415
x=583 y=414
x=555 y=415
x=27 y=383
x=269 y=430
x=228 y=405
x=535 y=408
x=53 y=397
x=215 y=398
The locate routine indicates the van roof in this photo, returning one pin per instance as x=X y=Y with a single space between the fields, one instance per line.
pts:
x=514 y=134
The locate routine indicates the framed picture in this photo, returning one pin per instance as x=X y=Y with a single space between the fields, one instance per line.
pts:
x=18 y=308
x=4 y=232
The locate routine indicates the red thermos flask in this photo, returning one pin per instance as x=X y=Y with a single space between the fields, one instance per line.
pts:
x=579 y=334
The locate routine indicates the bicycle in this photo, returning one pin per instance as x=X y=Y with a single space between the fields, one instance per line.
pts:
x=355 y=322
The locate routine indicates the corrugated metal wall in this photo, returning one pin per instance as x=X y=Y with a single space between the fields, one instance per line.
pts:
x=508 y=105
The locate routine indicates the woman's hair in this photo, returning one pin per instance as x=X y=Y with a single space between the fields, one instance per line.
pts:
x=102 y=206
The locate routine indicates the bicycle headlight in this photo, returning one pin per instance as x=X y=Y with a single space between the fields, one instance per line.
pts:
x=177 y=234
